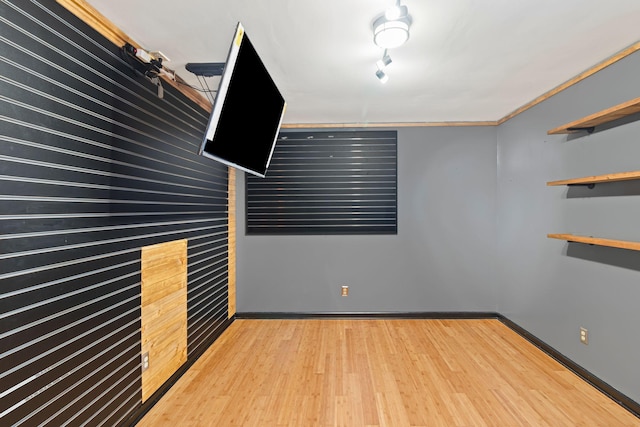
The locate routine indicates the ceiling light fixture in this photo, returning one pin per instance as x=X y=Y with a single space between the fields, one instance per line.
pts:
x=382 y=76
x=384 y=62
x=391 y=29
x=382 y=65
x=393 y=12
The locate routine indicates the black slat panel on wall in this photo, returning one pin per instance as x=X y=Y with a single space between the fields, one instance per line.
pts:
x=342 y=182
x=93 y=166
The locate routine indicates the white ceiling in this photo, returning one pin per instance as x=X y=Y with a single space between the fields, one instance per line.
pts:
x=466 y=60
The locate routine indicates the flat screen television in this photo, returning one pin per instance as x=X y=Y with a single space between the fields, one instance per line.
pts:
x=247 y=111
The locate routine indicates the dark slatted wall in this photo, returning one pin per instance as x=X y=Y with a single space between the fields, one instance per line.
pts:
x=327 y=183
x=93 y=166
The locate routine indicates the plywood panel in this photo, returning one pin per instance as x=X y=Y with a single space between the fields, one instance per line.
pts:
x=164 y=312
x=232 y=243
x=164 y=269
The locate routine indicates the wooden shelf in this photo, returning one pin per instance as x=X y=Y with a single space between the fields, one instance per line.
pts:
x=605 y=116
x=623 y=244
x=596 y=179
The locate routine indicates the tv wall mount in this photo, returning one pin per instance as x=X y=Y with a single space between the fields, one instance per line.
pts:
x=204 y=70
x=150 y=66
x=146 y=64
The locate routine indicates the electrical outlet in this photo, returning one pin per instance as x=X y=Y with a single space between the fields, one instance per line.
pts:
x=584 y=336
x=345 y=291
x=145 y=361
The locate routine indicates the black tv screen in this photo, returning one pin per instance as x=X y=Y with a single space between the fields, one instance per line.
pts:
x=247 y=111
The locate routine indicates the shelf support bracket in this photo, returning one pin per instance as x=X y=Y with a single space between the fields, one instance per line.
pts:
x=588 y=129
x=589 y=185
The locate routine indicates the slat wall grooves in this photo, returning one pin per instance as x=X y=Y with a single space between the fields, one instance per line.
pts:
x=80 y=155
x=93 y=166
x=327 y=183
x=73 y=36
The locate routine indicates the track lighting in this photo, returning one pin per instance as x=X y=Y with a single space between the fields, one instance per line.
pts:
x=384 y=62
x=382 y=65
x=382 y=76
x=390 y=29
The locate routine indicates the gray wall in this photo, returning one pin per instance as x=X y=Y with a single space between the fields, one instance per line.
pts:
x=441 y=260
x=548 y=286
x=472 y=234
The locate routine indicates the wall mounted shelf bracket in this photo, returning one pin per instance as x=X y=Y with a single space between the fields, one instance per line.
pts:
x=588 y=129
x=589 y=240
x=589 y=185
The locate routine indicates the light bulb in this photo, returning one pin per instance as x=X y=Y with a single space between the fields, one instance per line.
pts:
x=382 y=76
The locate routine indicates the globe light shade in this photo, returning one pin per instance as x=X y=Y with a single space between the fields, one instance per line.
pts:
x=390 y=33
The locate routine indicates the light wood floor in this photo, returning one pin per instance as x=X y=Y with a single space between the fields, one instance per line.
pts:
x=360 y=373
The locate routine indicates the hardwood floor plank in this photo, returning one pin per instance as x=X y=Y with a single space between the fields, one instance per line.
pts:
x=408 y=373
